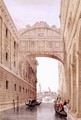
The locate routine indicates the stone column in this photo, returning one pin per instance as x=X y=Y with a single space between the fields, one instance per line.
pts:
x=69 y=86
x=0 y=39
x=78 y=111
x=66 y=92
x=78 y=59
x=73 y=88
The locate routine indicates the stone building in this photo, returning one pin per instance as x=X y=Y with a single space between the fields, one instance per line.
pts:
x=17 y=75
x=71 y=29
x=18 y=66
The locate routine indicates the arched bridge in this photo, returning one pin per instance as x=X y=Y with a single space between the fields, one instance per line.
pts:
x=42 y=40
x=44 y=94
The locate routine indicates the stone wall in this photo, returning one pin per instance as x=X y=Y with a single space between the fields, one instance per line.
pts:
x=12 y=88
x=71 y=26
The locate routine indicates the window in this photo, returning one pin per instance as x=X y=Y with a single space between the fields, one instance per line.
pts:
x=26 y=90
x=15 y=87
x=23 y=89
x=14 y=63
x=7 y=83
x=14 y=44
x=6 y=56
x=6 y=32
x=19 y=88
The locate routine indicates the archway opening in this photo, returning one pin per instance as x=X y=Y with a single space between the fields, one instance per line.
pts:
x=47 y=75
x=48 y=99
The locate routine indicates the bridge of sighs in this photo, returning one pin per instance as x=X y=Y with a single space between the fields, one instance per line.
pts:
x=41 y=40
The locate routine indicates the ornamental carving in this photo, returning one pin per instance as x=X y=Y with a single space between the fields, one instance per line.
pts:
x=42 y=39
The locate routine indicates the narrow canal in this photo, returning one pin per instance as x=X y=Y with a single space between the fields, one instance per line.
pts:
x=45 y=111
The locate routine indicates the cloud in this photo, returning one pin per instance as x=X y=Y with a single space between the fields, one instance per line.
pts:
x=34 y=2
x=25 y=12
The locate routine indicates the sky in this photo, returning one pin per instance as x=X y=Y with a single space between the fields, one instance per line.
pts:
x=24 y=12
x=47 y=73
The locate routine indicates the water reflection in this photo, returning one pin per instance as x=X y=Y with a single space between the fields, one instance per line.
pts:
x=20 y=113
x=45 y=111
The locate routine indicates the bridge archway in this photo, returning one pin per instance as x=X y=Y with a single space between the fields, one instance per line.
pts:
x=45 y=55
x=46 y=94
x=42 y=40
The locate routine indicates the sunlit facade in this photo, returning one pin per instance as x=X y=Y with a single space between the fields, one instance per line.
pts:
x=71 y=28
x=18 y=66
x=17 y=75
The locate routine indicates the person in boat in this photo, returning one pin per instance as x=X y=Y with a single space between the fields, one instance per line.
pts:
x=60 y=106
x=68 y=104
x=65 y=108
x=30 y=100
x=65 y=102
x=57 y=103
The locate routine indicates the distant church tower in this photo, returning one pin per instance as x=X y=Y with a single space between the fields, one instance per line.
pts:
x=39 y=88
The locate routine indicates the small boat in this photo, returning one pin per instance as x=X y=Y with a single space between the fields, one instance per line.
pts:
x=30 y=105
x=62 y=113
x=33 y=103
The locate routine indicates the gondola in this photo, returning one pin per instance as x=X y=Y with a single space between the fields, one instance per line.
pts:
x=61 y=113
x=30 y=105
x=33 y=103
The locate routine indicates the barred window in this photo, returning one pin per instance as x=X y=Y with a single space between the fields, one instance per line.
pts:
x=7 y=84
x=6 y=32
x=15 y=87
x=6 y=56
x=19 y=88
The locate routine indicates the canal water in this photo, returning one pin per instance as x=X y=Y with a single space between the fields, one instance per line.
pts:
x=45 y=111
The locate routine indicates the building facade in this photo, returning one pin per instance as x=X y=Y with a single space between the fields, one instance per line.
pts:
x=18 y=70
x=17 y=77
x=71 y=29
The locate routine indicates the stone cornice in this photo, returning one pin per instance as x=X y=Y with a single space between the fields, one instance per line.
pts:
x=40 y=25
x=10 y=24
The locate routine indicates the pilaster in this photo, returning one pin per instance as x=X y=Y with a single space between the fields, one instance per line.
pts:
x=0 y=39
x=78 y=112
x=71 y=87
x=73 y=94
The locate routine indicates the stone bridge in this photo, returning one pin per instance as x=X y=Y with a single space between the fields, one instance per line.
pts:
x=41 y=40
x=45 y=94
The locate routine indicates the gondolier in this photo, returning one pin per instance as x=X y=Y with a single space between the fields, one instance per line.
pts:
x=61 y=109
x=30 y=100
